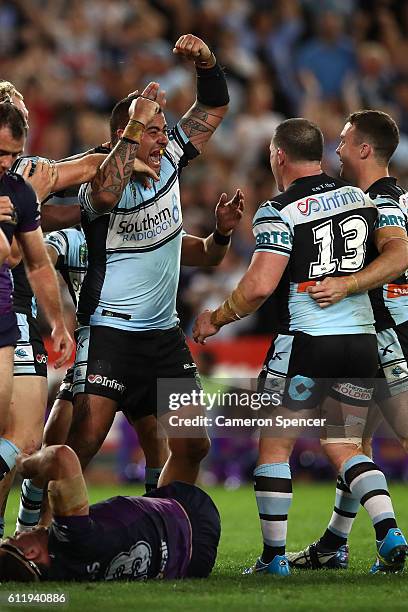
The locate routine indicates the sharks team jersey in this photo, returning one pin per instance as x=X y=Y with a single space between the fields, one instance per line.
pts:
x=72 y=259
x=134 y=250
x=390 y=302
x=326 y=228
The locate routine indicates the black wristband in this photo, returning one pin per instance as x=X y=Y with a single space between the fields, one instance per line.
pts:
x=212 y=89
x=220 y=239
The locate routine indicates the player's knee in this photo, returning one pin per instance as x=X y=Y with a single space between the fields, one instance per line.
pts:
x=192 y=449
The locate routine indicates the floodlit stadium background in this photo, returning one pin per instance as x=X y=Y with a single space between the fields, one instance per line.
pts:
x=73 y=60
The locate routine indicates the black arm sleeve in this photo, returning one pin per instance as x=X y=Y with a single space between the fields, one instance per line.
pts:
x=212 y=89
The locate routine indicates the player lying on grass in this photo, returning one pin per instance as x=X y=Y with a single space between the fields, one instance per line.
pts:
x=67 y=250
x=171 y=533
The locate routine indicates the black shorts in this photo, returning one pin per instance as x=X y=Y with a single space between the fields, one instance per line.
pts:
x=65 y=390
x=393 y=362
x=126 y=366
x=311 y=368
x=9 y=332
x=30 y=355
x=205 y=524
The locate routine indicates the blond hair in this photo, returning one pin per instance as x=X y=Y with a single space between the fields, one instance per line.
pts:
x=8 y=91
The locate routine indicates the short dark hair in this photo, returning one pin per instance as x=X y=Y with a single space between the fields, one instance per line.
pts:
x=120 y=115
x=380 y=131
x=301 y=139
x=13 y=119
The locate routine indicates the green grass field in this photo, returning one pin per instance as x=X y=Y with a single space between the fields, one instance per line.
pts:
x=227 y=590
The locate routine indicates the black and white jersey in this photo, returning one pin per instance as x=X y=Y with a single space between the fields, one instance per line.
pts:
x=326 y=228
x=390 y=302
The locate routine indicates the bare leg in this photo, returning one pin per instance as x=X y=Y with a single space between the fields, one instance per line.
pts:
x=186 y=451
x=92 y=419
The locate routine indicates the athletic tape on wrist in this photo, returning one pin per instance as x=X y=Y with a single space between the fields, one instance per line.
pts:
x=133 y=131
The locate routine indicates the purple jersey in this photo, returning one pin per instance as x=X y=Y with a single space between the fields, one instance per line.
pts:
x=26 y=219
x=122 y=538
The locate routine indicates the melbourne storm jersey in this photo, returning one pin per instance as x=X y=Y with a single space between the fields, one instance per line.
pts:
x=326 y=228
x=72 y=259
x=26 y=218
x=122 y=538
x=23 y=297
x=134 y=251
x=390 y=302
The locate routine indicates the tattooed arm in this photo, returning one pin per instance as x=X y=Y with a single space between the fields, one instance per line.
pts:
x=203 y=118
x=115 y=172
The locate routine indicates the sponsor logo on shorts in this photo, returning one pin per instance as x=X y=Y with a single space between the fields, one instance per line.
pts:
x=41 y=358
x=188 y=366
x=396 y=291
x=347 y=389
x=110 y=383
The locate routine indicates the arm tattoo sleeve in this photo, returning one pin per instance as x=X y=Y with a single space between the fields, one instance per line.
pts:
x=115 y=172
x=199 y=124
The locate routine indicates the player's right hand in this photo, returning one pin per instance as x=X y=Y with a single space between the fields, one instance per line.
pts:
x=62 y=343
x=150 y=102
x=6 y=209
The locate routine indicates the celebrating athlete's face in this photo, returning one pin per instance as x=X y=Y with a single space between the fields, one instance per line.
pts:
x=10 y=149
x=348 y=151
x=153 y=143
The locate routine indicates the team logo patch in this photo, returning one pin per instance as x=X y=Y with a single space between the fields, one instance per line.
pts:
x=83 y=254
x=21 y=353
x=397 y=371
x=132 y=564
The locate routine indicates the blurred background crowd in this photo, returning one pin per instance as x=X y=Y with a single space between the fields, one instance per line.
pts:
x=73 y=59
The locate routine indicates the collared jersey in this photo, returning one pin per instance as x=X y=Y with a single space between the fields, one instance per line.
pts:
x=134 y=250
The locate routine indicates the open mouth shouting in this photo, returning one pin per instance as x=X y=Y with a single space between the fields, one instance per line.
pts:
x=155 y=158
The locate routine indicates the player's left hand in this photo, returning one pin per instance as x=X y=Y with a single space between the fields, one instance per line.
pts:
x=229 y=214
x=203 y=328
x=43 y=178
x=329 y=291
x=62 y=343
x=193 y=48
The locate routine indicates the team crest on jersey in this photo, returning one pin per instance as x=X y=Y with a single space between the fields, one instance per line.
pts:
x=83 y=254
x=133 y=564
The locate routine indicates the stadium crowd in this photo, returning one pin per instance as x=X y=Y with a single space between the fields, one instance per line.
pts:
x=283 y=58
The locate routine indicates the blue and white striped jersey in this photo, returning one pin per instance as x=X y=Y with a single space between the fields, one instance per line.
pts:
x=72 y=262
x=134 y=251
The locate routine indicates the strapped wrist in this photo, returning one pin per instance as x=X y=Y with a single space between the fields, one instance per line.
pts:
x=212 y=89
x=133 y=131
x=352 y=284
x=221 y=239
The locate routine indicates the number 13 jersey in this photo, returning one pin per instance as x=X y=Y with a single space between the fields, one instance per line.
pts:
x=326 y=228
